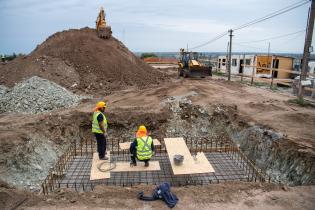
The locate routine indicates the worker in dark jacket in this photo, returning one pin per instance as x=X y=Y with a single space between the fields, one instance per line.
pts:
x=142 y=147
x=99 y=129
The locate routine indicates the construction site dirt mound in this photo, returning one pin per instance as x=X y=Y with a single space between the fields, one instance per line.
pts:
x=80 y=61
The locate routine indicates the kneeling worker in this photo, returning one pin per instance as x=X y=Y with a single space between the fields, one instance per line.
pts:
x=142 y=147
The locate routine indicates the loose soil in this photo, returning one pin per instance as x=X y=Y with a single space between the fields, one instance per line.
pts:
x=229 y=195
x=129 y=106
x=82 y=62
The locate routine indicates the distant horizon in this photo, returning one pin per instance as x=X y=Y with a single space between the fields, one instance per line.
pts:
x=168 y=54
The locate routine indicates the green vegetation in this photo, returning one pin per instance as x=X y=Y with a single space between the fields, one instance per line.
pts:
x=148 y=55
x=301 y=102
x=274 y=88
x=259 y=84
x=218 y=73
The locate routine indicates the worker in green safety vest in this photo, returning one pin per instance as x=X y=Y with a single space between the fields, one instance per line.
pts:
x=99 y=129
x=142 y=147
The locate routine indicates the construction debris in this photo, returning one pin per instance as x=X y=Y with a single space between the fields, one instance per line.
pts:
x=3 y=90
x=37 y=95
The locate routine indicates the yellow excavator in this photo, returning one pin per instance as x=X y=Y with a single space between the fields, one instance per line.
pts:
x=103 y=31
x=189 y=66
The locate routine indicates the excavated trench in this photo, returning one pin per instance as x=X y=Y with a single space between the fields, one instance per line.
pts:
x=274 y=156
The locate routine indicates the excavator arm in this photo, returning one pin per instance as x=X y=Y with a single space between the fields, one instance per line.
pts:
x=102 y=29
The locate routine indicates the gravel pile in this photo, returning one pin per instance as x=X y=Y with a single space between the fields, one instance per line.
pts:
x=37 y=95
x=3 y=90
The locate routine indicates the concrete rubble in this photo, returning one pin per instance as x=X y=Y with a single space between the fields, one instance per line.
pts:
x=36 y=95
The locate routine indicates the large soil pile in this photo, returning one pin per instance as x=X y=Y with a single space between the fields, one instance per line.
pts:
x=80 y=61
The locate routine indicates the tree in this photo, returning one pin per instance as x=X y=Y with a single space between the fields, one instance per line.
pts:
x=148 y=55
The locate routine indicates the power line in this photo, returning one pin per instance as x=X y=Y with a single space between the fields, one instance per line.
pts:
x=275 y=37
x=273 y=14
x=263 y=48
x=210 y=41
x=243 y=45
x=266 y=17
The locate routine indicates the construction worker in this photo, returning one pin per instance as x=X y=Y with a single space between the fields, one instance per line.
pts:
x=142 y=147
x=99 y=128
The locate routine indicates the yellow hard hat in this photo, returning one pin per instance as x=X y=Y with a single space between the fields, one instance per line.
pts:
x=142 y=131
x=100 y=105
x=142 y=128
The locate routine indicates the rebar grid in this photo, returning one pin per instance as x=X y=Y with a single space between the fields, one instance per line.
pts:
x=73 y=168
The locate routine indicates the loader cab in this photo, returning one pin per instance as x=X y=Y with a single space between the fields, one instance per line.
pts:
x=185 y=57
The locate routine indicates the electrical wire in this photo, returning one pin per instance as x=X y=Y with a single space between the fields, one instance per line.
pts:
x=263 y=48
x=275 y=37
x=111 y=165
x=266 y=17
x=243 y=45
x=273 y=14
x=210 y=41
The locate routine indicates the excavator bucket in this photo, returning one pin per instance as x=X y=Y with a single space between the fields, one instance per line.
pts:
x=105 y=32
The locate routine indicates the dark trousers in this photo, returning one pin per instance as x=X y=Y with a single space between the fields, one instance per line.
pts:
x=133 y=156
x=101 y=144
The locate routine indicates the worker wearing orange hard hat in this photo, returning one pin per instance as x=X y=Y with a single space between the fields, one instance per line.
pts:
x=99 y=129
x=142 y=147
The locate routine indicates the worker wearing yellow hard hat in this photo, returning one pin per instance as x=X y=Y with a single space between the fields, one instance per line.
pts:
x=142 y=147
x=99 y=129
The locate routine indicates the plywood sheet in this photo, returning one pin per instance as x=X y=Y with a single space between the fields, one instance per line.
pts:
x=125 y=166
x=95 y=173
x=126 y=145
x=191 y=165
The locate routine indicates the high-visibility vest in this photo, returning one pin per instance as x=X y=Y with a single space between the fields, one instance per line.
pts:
x=144 y=150
x=95 y=126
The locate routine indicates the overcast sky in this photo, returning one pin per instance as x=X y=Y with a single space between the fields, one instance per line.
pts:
x=157 y=25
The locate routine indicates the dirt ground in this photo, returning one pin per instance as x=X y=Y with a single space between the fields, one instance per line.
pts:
x=229 y=195
x=260 y=106
x=81 y=62
x=257 y=106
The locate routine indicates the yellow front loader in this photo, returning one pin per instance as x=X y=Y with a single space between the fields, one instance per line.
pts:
x=189 y=66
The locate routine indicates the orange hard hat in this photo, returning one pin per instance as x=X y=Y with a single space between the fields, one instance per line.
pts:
x=142 y=131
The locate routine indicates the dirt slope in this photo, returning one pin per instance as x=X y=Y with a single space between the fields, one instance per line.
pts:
x=230 y=195
x=80 y=61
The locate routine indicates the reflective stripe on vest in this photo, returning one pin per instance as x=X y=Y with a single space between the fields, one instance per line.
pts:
x=144 y=150
x=95 y=126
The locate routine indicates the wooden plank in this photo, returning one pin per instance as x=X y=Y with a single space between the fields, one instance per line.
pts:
x=125 y=166
x=95 y=173
x=126 y=145
x=190 y=165
x=202 y=162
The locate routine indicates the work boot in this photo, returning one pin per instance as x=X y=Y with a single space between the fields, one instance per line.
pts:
x=132 y=164
x=146 y=164
x=104 y=158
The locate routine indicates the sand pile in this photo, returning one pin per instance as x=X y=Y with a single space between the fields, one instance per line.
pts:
x=80 y=61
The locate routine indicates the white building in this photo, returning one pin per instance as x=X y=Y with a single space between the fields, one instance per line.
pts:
x=237 y=62
x=311 y=66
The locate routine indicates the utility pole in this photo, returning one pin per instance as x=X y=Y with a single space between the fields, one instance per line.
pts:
x=270 y=65
x=230 y=55
x=307 y=46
